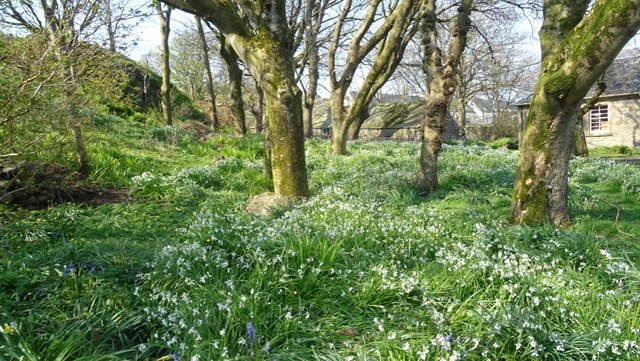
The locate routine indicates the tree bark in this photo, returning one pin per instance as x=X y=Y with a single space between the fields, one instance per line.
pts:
x=354 y=129
x=260 y=36
x=283 y=115
x=576 y=52
x=165 y=89
x=580 y=149
x=258 y=109
x=235 y=83
x=443 y=83
x=213 y=110
x=391 y=38
x=338 y=129
x=462 y=117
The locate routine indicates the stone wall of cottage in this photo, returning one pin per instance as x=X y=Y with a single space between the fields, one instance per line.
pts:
x=624 y=119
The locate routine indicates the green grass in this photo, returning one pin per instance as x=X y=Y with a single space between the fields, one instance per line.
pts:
x=365 y=269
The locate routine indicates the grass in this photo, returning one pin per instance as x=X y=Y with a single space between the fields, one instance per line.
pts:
x=365 y=269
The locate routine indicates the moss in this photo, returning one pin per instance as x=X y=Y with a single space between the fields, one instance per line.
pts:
x=559 y=83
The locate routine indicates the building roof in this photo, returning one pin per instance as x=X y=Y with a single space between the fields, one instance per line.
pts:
x=622 y=77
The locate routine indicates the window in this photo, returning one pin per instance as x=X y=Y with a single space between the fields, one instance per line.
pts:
x=599 y=119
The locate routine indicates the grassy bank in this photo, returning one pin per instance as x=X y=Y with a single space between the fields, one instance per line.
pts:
x=365 y=269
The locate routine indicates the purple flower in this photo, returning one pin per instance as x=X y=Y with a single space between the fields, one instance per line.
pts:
x=176 y=357
x=251 y=336
x=69 y=269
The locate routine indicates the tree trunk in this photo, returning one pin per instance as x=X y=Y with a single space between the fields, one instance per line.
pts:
x=433 y=125
x=541 y=180
x=78 y=140
x=111 y=31
x=354 y=129
x=575 y=55
x=580 y=139
x=312 y=91
x=284 y=118
x=266 y=160
x=339 y=128
x=230 y=58
x=258 y=111
x=213 y=111
x=443 y=74
x=462 y=118
x=307 y=118
x=165 y=89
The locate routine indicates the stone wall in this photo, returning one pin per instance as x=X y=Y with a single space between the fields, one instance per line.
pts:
x=624 y=118
x=624 y=128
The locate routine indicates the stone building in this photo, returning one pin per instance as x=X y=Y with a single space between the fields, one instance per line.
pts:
x=615 y=119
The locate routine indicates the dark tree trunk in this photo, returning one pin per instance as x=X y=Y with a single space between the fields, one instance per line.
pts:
x=354 y=129
x=312 y=91
x=580 y=139
x=266 y=161
x=462 y=119
x=213 y=111
x=258 y=109
x=230 y=58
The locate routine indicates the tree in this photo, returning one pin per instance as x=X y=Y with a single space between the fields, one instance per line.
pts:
x=207 y=66
x=577 y=47
x=165 y=27
x=493 y=67
x=260 y=35
x=119 y=18
x=443 y=72
x=231 y=58
x=312 y=25
x=391 y=39
x=67 y=24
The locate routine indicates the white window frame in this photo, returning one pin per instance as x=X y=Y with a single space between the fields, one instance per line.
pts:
x=599 y=119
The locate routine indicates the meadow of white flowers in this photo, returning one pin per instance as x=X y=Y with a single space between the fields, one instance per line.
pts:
x=367 y=269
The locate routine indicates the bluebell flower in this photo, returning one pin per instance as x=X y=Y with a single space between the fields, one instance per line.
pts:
x=251 y=336
x=70 y=269
x=176 y=357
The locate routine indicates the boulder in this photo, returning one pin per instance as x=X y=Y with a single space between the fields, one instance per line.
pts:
x=265 y=204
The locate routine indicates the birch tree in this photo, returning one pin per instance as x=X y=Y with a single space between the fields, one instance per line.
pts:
x=577 y=47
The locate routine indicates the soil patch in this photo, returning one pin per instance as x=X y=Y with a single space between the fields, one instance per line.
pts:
x=35 y=185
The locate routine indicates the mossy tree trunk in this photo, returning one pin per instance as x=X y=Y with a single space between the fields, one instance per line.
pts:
x=576 y=51
x=213 y=109
x=259 y=34
x=230 y=58
x=391 y=39
x=165 y=89
x=442 y=72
